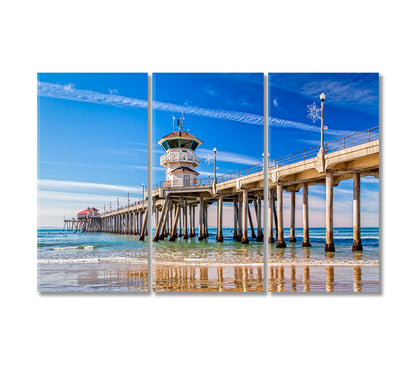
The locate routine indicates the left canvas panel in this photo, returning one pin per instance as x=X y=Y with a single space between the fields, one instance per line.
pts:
x=92 y=173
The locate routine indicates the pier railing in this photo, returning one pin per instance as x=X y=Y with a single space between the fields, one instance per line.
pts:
x=348 y=141
x=352 y=140
x=194 y=182
x=177 y=156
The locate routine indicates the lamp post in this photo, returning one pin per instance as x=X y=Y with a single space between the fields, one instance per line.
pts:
x=143 y=191
x=268 y=155
x=314 y=113
x=322 y=121
x=215 y=165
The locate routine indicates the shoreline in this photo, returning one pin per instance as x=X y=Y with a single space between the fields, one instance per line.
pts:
x=368 y=263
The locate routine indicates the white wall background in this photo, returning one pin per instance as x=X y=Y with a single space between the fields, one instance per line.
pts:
x=205 y=334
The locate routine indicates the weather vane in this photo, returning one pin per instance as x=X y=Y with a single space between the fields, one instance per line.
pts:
x=179 y=122
x=173 y=122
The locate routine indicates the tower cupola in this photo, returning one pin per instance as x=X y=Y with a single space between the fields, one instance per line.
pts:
x=180 y=158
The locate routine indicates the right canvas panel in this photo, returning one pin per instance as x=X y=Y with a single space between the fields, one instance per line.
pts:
x=323 y=180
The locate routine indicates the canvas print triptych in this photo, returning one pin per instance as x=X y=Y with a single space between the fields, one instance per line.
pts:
x=260 y=182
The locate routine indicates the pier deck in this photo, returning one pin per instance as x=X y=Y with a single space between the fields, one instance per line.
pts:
x=174 y=206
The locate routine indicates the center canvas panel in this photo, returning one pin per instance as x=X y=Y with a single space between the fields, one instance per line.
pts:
x=207 y=171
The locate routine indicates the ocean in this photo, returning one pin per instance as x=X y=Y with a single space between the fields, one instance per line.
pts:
x=90 y=262
x=104 y=262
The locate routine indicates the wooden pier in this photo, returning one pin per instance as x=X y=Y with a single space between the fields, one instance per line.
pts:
x=174 y=203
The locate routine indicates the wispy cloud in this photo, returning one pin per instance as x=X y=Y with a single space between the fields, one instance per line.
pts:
x=223 y=156
x=342 y=93
x=358 y=91
x=44 y=184
x=105 y=166
x=68 y=92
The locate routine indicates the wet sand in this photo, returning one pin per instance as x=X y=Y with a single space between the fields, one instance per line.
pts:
x=208 y=278
x=342 y=277
x=319 y=278
x=92 y=277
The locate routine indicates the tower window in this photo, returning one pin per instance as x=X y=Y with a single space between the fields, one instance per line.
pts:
x=173 y=143
x=165 y=145
x=194 y=145
x=186 y=143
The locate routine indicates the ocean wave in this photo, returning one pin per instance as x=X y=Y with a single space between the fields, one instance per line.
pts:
x=373 y=237
x=72 y=248
x=94 y=260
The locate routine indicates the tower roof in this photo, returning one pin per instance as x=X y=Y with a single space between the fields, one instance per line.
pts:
x=180 y=135
x=185 y=169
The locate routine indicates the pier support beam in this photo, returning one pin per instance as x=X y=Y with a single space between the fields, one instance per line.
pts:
x=201 y=219
x=160 y=224
x=143 y=231
x=185 y=220
x=240 y=216
x=257 y=206
x=274 y=213
x=292 y=237
x=271 y=203
x=280 y=234
x=305 y=242
x=180 y=220
x=357 y=246
x=157 y=222
x=244 y=237
x=205 y=220
x=192 y=220
x=220 y=238
x=253 y=234
x=329 y=241
x=137 y=223
x=235 y=236
x=173 y=233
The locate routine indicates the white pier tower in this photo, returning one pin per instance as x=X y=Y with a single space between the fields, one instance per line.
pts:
x=180 y=158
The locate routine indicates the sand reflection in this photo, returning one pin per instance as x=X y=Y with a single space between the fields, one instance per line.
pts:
x=291 y=271
x=212 y=278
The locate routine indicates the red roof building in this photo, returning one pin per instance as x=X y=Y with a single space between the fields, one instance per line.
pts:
x=86 y=213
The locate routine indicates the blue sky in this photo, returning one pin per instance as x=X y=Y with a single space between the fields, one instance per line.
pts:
x=351 y=105
x=92 y=142
x=92 y=132
x=223 y=110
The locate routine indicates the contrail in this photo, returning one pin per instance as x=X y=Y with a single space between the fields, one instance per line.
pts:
x=68 y=92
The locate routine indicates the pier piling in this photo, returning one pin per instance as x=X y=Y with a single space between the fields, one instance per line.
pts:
x=356 y=246
x=280 y=238
x=305 y=242
x=220 y=238
x=244 y=237
x=271 y=203
x=292 y=238
x=329 y=241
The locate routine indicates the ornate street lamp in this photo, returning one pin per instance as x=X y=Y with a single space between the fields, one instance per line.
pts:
x=315 y=113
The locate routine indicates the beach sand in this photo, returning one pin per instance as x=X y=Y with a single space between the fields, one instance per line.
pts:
x=92 y=277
